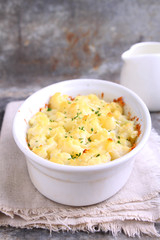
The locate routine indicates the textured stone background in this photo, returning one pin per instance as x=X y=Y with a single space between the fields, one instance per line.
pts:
x=42 y=42
x=47 y=41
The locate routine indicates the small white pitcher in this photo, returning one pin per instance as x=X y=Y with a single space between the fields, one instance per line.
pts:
x=141 y=72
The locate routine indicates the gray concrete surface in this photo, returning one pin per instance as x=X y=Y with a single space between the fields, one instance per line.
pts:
x=34 y=234
x=42 y=42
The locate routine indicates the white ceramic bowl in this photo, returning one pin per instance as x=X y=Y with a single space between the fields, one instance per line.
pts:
x=80 y=185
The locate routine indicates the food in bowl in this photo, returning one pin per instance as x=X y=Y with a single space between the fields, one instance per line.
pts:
x=80 y=185
x=82 y=131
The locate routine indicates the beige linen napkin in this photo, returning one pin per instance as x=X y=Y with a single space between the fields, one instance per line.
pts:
x=134 y=209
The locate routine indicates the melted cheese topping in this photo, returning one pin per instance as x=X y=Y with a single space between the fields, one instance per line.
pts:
x=82 y=131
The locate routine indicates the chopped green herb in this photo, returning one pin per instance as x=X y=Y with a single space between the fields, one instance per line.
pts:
x=118 y=137
x=65 y=136
x=69 y=102
x=82 y=128
x=81 y=142
x=92 y=110
x=65 y=112
x=78 y=154
x=89 y=139
x=109 y=130
x=50 y=128
x=29 y=145
x=98 y=108
x=99 y=114
x=80 y=138
x=97 y=155
x=91 y=129
x=96 y=112
x=71 y=137
x=76 y=116
x=118 y=142
x=75 y=156
x=49 y=109
x=65 y=117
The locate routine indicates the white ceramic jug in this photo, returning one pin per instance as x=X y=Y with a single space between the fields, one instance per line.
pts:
x=141 y=72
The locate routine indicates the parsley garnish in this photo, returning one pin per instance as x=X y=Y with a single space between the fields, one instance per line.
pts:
x=97 y=112
x=91 y=129
x=82 y=128
x=89 y=139
x=118 y=142
x=98 y=155
x=75 y=156
x=69 y=102
x=49 y=109
x=78 y=155
x=50 y=128
x=76 y=116
x=65 y=136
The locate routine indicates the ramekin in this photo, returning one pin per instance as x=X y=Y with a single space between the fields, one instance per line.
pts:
x=80 y=185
